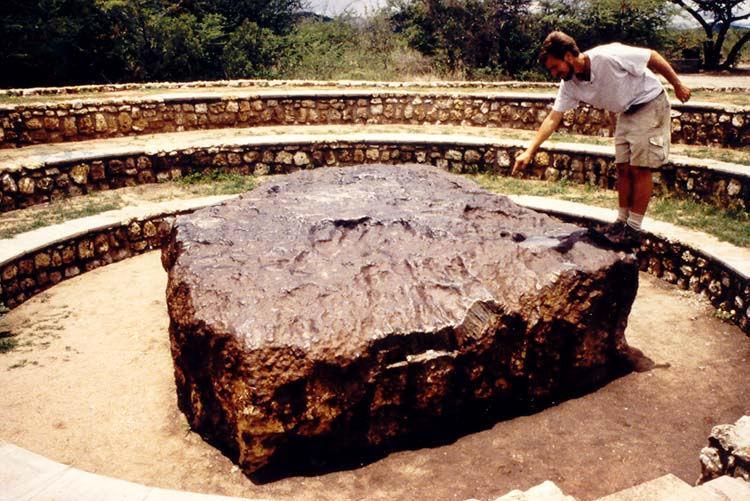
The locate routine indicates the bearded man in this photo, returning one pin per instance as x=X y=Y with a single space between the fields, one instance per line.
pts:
x=620 y=79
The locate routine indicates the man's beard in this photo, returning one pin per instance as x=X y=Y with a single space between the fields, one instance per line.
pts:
x=568 y=74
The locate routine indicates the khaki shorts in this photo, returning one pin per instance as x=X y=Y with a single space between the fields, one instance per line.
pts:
x=642 y=138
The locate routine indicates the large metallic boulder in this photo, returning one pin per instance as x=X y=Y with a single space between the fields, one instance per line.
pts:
x=368 y=306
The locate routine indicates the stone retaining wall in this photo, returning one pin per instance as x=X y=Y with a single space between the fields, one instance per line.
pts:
x=24 y=187
x=37 y=271
x=29 y=274
x=690 y=269
x=51 y=122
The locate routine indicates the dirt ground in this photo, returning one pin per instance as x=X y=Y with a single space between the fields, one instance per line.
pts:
x=91 y=385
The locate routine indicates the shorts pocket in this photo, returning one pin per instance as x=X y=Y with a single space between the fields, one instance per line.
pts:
x=657 y=151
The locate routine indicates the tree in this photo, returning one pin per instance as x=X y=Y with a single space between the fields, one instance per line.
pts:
x=595 y=22
x=200 y=39
x=466 y=35
x=716 y=18
x=52 y=42
x=275 y=15
x=252 y=52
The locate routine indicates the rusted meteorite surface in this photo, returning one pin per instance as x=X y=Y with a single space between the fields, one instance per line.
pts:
x=365 y=305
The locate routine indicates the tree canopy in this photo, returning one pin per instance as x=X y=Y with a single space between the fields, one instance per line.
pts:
x=64 y=42
x=716 y=18
x=53 y=42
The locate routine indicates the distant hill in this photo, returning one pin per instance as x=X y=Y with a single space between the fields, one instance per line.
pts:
x=307 y=15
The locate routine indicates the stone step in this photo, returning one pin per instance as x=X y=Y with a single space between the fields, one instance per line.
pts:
x=736 y=258
x=731 y=488
x=696 y=83
x=665 y=488
x=546 y=491
x=27 y=476
x=52 y=154
x=23 y=472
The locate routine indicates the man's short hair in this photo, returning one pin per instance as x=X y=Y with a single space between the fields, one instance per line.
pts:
x=557 y=44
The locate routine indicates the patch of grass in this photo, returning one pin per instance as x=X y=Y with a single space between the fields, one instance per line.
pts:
x=59 y=212
x=23 y=363
x=575 y=138
x=7 y=342
x=91 y=209
x=214 y=182
x=563 y=189
x=23 y=227
x=727 y=225
x=737 y=156
x=723 y=315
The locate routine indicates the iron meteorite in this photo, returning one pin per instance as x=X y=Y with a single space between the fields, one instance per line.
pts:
x=367 y=306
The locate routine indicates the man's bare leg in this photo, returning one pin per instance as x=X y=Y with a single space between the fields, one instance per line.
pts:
x=642 y=187
x=624 y=192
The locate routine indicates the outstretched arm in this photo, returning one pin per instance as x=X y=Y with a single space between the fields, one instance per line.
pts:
x=660 y=65
x=549 y=125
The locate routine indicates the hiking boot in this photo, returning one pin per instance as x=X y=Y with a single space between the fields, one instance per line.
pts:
x=624 y=238
x=615 y=228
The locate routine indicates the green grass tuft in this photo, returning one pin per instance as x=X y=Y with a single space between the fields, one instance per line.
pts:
x=732 y=226
x=59 y=213
x=214 y=182
x=7 y=344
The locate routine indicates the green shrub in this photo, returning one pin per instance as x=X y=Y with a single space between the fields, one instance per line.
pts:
x=252 y=52
x=348 y=48
x=7 y=342
x=216 y=182
x=595 y=22
x=470 y=37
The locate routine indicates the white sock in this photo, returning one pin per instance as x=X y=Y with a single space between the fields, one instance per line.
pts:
x=622 y=214
x=635 y=220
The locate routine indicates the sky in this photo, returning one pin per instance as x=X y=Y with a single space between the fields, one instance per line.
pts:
x=333 y=7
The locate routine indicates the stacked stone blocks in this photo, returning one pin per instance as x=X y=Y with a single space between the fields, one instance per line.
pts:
x=27 y=186
x=36 y=271
x=49 y=122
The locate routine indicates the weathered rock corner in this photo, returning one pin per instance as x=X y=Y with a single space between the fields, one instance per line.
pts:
x=728 y=452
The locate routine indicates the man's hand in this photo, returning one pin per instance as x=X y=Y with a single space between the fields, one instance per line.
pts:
x=658 y=64
x=522 y=161
x=682 y=92
x=549 y=125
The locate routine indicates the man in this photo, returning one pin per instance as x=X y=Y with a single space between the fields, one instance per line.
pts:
x=617 y=78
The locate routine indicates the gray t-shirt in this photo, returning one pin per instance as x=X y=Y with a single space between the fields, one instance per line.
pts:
x=619 y=79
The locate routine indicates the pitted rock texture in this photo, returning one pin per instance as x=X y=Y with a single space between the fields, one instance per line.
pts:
x=370 y=306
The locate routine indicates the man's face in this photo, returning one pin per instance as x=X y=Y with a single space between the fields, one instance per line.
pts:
x=559 y=68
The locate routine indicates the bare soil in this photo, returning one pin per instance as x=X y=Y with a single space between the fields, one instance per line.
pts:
x=91 y=385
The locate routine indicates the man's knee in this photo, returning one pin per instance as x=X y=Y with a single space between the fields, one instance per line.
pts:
x=640 y=172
